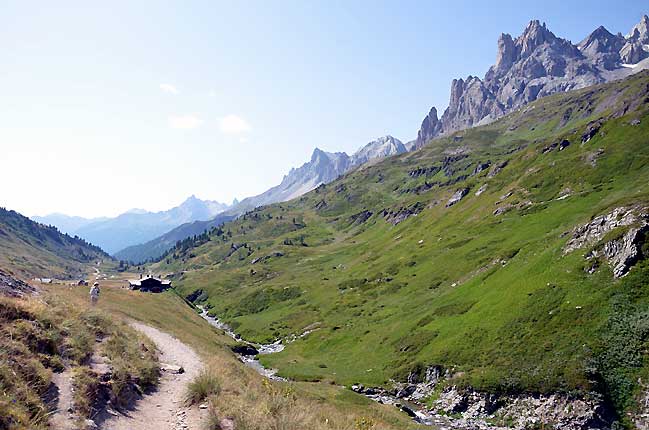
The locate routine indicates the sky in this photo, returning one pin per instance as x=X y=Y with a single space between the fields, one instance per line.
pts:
x=108 y=106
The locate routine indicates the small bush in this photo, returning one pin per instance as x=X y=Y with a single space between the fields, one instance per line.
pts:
x=205 y=385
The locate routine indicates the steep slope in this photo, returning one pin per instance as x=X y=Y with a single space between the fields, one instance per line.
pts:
x=136 y=226
x=32 y=249
x=468 y=255
x=536 y=64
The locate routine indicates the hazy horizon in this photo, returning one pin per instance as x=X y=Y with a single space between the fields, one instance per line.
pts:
x=108 y=108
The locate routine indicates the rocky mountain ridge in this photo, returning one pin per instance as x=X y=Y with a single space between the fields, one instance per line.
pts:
x=536 y=64
x=322 y=168
x=134 y=226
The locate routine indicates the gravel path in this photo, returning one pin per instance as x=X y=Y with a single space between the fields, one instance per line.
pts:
x=163 y=409
x=61 y=419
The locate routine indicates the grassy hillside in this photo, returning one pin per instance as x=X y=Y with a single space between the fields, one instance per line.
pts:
x=392 y=278
x=33 y=249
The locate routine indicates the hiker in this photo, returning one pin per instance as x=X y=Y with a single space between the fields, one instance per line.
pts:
x=94 y=293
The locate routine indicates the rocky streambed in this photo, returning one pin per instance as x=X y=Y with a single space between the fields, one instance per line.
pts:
x=450 y=407
x=247 y=352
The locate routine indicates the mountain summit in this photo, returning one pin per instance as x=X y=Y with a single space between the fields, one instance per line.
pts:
x=536 y=64
x=136 y=225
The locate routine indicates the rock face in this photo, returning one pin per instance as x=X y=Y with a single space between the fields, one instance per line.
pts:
x=603 y=48
x=536 y=64
x=623 y=250
x=521 y=412
x=635 y=48
x=466 y=409
x=323 y=168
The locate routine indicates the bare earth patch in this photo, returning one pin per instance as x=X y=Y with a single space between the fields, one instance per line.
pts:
x=163 y=409
x=62 y=419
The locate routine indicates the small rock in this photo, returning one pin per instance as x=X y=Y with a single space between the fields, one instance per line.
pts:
x=202 y=406
x=172 y=368
x=481 y=189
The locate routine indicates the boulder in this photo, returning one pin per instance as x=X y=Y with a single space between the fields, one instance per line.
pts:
x=244 y=349
x=564 y=144
x=457 y=196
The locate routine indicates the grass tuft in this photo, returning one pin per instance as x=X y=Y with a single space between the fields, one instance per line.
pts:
x=204 y=386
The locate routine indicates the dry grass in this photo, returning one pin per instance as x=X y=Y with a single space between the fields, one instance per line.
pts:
x=254 y=403
x=205 y=385
x=39 y=336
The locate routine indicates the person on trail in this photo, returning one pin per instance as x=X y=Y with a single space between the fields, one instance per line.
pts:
x=94 y=293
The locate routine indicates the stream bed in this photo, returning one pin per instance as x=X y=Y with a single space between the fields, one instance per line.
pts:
x=417 y=412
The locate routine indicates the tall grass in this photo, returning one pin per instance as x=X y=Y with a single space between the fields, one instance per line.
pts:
x=204 y=386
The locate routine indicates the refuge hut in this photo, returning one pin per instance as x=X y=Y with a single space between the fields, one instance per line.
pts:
x=149 y=284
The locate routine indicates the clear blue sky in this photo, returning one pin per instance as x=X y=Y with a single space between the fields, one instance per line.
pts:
x=110 y=106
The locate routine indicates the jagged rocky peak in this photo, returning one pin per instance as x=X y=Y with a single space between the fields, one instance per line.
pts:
x=640 y=32
x=636 y=47
x=601 y=41
x=535 y=34
x=506 y=52
x=430 y=127
x=379 y=148
x=536 y=64
x=603 y=48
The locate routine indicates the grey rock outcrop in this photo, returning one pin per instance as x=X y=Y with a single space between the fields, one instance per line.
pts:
x=457 y=196
x=624 y=252
x=594 y=231
x=621 y=252
x=536 y=64
x=430 y=127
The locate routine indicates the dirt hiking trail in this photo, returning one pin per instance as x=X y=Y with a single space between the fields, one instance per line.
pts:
x=163 y=409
